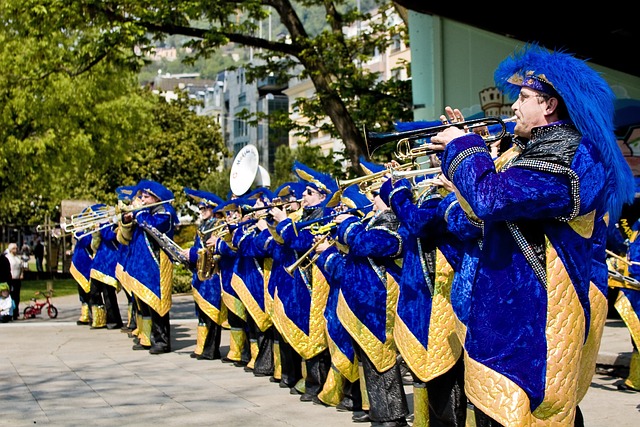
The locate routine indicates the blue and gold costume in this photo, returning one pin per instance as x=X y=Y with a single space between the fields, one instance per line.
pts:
x=366 y=307
x=288 y=363
x=529 y=307
x=425 y=330
x=628 y=305
x=343 y=355
x=207 y=292
x=148 y=271
x=104 y=284
x=249 y=284
x=236 y=311
x=81 y=271
x=125 y=196
x=299 y=304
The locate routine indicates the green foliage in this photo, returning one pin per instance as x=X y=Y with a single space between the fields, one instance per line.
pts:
x=182 y=278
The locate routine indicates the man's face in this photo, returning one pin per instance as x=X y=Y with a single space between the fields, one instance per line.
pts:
x=312 y=197
x=530 y=109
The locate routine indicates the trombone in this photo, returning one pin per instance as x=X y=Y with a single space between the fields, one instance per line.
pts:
x=90 y=222
x=405 y=149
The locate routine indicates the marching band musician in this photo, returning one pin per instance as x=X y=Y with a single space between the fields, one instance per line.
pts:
x=104 y=284
x=424 y=329
x=248 y=282
x=299 y=304
x=221 y=244
x=81 y=270
x=543 y=215
x=367 y=303
x=126 y=195
x=287 y=362
x=207 y=292
x=628 y=306
x=149 y=270
x=344 y=361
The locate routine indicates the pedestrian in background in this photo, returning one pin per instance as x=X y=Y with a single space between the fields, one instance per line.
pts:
x=15 y=282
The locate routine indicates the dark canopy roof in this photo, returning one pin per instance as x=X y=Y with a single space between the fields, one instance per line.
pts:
x=602 y=34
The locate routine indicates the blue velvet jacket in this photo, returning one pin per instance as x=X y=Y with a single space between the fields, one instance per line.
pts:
x=227 y=262
x=528 y=311
x=425 y=328
x=105 y=260
x=299 y=303
x=208 y=293
x=248 y=277
x=332 y=264
x=369 y=291
x=81 y=262
x=149 y=270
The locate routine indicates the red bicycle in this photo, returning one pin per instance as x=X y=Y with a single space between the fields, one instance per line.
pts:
x=35 y=307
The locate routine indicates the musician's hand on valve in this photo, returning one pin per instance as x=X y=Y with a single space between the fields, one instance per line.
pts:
x=212 y=241
x=323 y=246
x=278 y=214
x=261 y=224
x=340 y=218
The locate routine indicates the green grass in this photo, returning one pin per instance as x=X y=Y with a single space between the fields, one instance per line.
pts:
x=61 y=287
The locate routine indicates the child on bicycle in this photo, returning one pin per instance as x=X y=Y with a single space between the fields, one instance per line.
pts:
x=6 y=304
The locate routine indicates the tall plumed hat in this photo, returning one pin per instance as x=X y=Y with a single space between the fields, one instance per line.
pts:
x=295 y=189
x=589 y=101
x=320 y=181
x=126 y=192
x=353 y=198
x=155 y=188
x=203 y=198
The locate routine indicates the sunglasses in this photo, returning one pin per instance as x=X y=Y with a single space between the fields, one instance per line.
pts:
x=310 y=192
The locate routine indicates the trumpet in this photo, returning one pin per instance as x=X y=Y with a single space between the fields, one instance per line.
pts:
x=246 y=209
x=406 y=150
x=308 y=258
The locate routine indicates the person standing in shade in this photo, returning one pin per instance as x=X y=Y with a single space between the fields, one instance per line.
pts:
x=38 y=253
x=15 y=282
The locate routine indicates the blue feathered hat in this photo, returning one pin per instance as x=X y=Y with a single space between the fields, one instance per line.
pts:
x=369 y=167
x=126 y=192
x=295 y=189
x=589 y=101
x=260 y=193
x=155 y=188
x=319 y=181
x=203 y=198
x=234 y=204
x=353 y=198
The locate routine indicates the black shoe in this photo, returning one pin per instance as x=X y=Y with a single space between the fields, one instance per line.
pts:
x=316 y=401
x=79 y=322
x=159 y=350
x=239 y=363
x=248 y=369
x=274 y=380
x=345 y=406
x=306 y=397
x=623 y=387
x=360 y=417
x=294 y=390
x=126 y=330
x=141 y=347
x=227 y=360
x=401 y=422
x=201 y=357
x=194 y=355
x=114 y=325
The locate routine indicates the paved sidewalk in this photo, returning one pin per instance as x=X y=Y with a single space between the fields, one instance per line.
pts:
x=60 y=374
